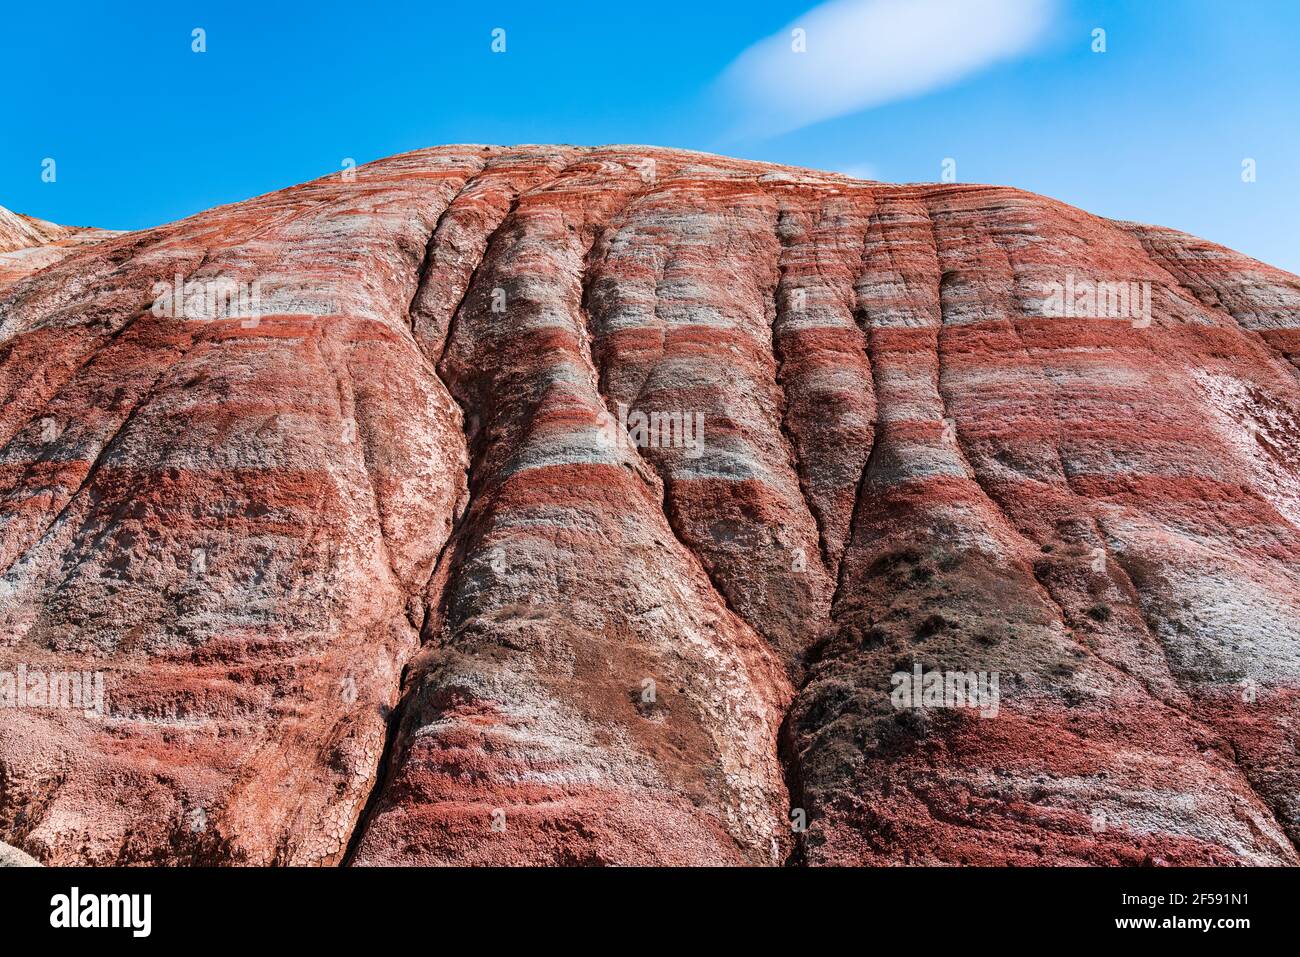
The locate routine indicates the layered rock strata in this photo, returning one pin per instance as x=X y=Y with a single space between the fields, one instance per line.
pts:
x=560 y=505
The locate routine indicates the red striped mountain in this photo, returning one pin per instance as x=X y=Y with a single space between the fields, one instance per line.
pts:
x=568 y=505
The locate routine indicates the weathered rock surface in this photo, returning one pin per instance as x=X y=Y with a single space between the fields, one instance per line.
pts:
x=12 y=857
x=28 y=245
x=379 y=564
x=18 y=231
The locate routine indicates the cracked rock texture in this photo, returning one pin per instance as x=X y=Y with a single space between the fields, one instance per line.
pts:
x=381 y=570
x=12 y=857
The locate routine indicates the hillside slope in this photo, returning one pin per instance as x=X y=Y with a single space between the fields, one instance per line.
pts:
x=379 y=564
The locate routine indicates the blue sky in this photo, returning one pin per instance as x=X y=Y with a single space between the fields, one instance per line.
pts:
x=143 y=130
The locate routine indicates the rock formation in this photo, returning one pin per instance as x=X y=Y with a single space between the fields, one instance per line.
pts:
x=28 y=245
x=559 y=505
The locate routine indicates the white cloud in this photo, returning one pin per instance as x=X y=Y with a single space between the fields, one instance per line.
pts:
x=862 y=53
x=859 y=171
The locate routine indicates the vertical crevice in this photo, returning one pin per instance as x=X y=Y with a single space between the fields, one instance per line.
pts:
x=393 y=721
x=438 y=588
x=392 y=725
x=862 y=316
x=778 y=296
x=589 y=339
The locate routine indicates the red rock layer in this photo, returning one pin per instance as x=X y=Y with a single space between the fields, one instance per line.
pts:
x=389 y=573
x=1078 y=505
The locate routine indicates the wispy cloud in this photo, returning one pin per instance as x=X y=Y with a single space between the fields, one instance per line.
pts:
x=862 y=53
x=859 y=171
